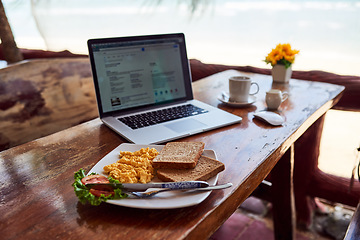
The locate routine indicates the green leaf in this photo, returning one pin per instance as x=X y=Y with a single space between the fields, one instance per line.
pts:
x=284 y=62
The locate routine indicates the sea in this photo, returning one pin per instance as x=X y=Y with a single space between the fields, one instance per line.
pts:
x=327 y=32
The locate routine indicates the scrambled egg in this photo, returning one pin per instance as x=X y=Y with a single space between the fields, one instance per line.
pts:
x=133 y=167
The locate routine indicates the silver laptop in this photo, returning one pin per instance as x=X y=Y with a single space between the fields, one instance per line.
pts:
x=143 y=89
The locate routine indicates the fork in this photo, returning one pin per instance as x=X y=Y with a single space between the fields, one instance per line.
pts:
x=152 y=193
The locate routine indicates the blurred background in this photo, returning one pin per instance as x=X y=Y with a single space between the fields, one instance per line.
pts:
x=327 y=33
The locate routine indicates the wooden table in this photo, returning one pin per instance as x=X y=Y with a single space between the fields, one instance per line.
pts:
x=37 y=199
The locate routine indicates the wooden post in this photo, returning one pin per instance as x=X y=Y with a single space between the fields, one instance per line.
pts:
x=283 y=201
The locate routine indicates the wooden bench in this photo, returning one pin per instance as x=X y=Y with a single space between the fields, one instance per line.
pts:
x=353 y=231
x=42 y=96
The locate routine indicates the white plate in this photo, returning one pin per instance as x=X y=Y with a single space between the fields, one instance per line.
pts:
x=225 y=99
x=165 y=200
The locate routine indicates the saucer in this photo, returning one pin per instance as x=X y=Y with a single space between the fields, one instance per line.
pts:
x=225 y=99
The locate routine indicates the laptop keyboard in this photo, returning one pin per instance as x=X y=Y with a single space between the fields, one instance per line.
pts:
x=160 y=116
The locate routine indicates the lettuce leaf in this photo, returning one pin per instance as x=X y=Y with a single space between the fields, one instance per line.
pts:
x=84 y=194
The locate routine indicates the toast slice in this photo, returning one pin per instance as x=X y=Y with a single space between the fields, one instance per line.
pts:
x=204 y=170
x=179 y=155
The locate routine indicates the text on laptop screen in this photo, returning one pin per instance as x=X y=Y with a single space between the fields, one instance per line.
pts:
x=132 y=74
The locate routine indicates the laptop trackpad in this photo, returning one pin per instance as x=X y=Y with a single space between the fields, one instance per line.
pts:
x=186 y=125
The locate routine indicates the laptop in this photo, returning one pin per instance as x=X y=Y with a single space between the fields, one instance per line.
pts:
x=143 y=89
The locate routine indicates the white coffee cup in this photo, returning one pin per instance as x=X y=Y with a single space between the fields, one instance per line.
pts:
x=274 y=98
x=239 y=88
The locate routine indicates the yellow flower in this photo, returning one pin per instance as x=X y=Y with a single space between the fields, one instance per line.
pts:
x=282 y=54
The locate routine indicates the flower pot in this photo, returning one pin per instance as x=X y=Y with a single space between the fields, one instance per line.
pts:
x=281 y=74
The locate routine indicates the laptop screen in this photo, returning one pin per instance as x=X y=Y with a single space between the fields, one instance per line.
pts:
x=133 y=72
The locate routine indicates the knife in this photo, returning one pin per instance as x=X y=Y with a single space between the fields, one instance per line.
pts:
x=145 y=186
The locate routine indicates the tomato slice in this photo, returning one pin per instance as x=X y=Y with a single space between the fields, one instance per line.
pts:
x=94 y=179
x=98 y=190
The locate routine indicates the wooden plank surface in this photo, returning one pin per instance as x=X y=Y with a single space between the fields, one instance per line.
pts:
x=37 y=198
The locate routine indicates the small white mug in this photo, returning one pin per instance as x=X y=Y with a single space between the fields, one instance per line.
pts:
x=239 y=88
x=274 y=98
